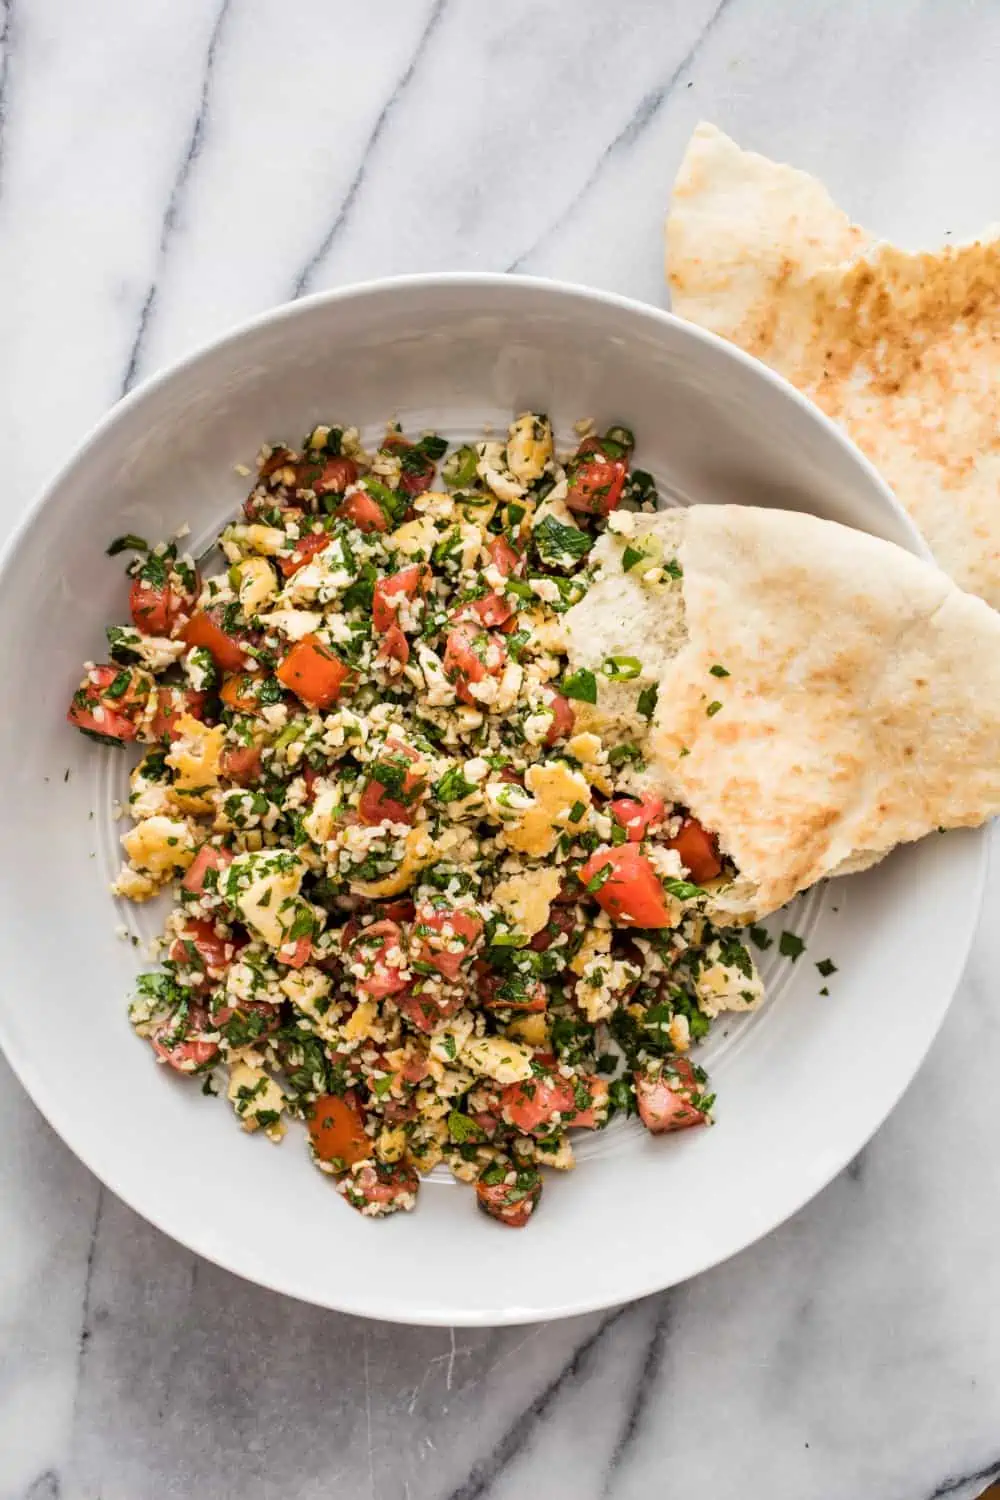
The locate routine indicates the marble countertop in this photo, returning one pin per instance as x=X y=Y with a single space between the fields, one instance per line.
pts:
x=172 y=166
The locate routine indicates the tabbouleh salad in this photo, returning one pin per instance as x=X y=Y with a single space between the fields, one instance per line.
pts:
x=418 y=903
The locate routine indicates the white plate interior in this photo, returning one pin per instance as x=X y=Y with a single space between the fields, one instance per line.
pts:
x=802 y=1085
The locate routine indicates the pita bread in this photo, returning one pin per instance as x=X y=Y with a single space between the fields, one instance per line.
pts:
x=902 y=349
x=823 y=695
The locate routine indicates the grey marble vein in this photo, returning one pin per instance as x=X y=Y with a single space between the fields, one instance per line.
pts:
x=485 y=1472
x=638 y=122
x=6 y=49
x=647 y=1377
x=304 y=278
x=192 y=150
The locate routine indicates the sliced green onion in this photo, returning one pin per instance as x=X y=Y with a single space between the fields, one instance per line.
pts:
x=459 y=468
x=622 y=668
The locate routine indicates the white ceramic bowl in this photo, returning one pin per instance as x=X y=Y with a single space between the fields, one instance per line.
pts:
x=802 y=1085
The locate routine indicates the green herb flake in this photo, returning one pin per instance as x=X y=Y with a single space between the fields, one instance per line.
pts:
x=713 y=708
x=631 y=557
x=826 y=967
x=581 y=685
x=718 y=671
x=790 y=945
x=761 y=938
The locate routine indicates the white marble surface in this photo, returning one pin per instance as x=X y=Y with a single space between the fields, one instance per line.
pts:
x=168 y=167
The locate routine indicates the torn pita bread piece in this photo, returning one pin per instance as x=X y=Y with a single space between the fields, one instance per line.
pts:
x=903 y=350
x=823 y=694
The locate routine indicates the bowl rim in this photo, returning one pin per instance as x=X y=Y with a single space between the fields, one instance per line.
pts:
x=33 y=1082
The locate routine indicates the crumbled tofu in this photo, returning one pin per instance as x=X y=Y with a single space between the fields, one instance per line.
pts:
x=254 y=1095
x=556 y=790
x=525 y=899
x=497 y=1058
x=721 y=986
x=529 y=447
x=194 y=758
x=256 y=583
x=160 y=845
x=265 y=888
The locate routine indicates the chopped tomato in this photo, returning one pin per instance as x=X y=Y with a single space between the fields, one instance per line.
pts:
x=698 y=849
x=313 y=673
x=637 y=814
x=395 y=647
x=509 y=1194
x=596 y=486
x=363 y=512
x=666 y=1098
x=418 y=470
x=532 y=1106
x=392 y=791
x=337 y=1130
x=240 y=763
x=386 y=1189
x=306 y=549
x=445 y=938
x=505 y=558
x=242 y=691
x=209 y=857
x=335 y=476
x=427 y=1011
x=199 y=947
x=189 y=1052
x=110 y=702
x=158 y=608
x=378 y=952
x=171 y=704
x=390 y=592
x=493 y=610
x=205 y=629
x=310 y=777
x=296 y=952
x=505 y=992
x=627 y=887
x=563 y=718
x=470 y=655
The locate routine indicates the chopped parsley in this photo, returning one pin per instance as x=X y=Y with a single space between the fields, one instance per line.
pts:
x=790 y=945
x=581 y=685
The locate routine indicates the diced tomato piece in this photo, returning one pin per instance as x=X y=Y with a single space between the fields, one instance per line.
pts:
x=629 y=890
x=426 y=1011
x=446 y=938
x=198 y=945
x=268 y=1016
x=306 y=549
x=509 y=1194
x=313 y=673
x=191 y=1051
x=310 y=777
x=665 y=1098
x=390 y=592
x=637 y=814
x=470 y=655
x=379 y=950
x=386 y=1189
x=240 y=763
x=157 y=607
x=502 y=992
x=279 y=457
x=378 y=804
x=296 y=953
x=494 y=610
x=395 y=647
x=171 y=704
x=363 y=512
x=337 y=1130
x=505 y=558
x=110 y=702
x=415 y=477
x=563 y=720
x=209 y=857
x=204 y=629
x=698 y=849
x=596 y=486
x=335 y=476
x=532 y=1106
